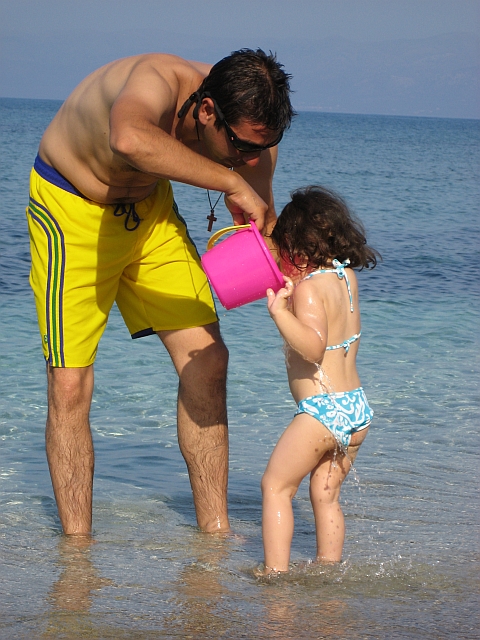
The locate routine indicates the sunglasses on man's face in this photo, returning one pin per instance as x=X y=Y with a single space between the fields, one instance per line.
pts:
x=242 y=145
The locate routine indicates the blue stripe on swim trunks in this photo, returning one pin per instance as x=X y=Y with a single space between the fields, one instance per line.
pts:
x=55 y=281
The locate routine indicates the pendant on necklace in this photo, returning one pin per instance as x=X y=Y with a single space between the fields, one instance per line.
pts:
x=211 y=219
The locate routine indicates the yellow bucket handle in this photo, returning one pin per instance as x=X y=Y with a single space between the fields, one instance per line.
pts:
x=221 y=232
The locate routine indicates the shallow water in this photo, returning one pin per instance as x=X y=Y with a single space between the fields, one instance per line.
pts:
x=410 y=561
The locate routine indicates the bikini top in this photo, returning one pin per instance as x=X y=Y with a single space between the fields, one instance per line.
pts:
x=339 y=269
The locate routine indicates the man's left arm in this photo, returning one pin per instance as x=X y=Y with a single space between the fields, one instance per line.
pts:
x=260 y=178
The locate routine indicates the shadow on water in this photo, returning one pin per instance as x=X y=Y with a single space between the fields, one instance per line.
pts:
x=50 y=512
x=71 y=595
x=200 y=592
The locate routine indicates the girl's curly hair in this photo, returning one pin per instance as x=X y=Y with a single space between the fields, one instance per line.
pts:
x=317 y=226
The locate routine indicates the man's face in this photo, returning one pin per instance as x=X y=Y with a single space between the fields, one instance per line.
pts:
x=225 y=153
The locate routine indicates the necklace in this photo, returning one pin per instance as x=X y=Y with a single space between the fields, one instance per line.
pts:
x=211 y=217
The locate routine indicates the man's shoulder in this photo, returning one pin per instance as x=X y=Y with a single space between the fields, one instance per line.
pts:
x=167 y=69
x=162 y=61
x=201 y=67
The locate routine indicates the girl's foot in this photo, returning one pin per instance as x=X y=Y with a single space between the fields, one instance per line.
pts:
x=263 y=571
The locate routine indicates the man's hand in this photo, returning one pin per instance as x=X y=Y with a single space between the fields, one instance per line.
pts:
x=245 y=204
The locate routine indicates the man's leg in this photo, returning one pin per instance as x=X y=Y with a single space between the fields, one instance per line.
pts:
x=69 y=446
x=200 y=358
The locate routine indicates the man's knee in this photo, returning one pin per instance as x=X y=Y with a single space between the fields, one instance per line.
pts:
x=216 y=360
x=207 y=363
x=197 y=351
x=216 y=353
x=69 y=389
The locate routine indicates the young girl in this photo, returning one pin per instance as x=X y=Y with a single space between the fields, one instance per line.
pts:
x=319 y=243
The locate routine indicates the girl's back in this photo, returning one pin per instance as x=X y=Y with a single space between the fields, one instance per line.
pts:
x=322 y=301
x=319 y=243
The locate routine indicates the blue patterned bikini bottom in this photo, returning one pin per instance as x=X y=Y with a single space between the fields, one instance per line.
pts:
x=342 y=413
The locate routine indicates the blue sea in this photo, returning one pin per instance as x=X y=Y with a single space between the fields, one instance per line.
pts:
x=410 y=565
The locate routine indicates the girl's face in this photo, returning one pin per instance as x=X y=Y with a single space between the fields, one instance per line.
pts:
x=292 y=271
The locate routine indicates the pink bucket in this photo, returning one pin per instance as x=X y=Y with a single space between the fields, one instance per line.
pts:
x=241 y=267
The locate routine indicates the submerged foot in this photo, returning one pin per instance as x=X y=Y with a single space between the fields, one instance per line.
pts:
x=262 y=571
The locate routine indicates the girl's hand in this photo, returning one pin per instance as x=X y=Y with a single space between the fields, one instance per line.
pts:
x=278 y=301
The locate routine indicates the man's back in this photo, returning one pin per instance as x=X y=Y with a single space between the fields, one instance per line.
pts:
x=77 y=142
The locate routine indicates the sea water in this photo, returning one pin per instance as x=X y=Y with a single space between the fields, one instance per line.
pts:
x=410 y=560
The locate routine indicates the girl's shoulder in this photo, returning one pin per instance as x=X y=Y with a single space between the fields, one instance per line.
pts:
x=342 y=271
x=323 y=282
x=310 y=289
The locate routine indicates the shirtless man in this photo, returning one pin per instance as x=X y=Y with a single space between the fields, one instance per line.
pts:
x=104 y=228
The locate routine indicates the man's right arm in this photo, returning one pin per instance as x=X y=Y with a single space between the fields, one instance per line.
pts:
x=136 y=135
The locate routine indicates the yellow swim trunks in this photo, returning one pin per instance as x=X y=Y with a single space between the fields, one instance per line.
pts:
x=86 y=256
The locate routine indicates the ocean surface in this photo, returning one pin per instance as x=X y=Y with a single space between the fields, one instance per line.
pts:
x=410 y=565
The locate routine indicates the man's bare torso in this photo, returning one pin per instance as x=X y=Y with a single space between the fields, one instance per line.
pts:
x=77 y=141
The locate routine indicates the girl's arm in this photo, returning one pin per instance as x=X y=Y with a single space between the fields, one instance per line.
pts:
x=306 y=329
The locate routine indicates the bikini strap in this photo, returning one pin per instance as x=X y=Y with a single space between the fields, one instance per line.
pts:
x=339 y=269
x=345 y=344
x=341 y=273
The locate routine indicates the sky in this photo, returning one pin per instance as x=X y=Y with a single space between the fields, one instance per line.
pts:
x=393 y=57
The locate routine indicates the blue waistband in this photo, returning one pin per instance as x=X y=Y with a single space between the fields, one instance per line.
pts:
x=51 y=175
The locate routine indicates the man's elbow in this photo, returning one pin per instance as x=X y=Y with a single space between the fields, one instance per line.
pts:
x=124 y=142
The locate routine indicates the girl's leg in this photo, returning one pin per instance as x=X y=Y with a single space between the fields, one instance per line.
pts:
x=325 y=484
x=301 y=446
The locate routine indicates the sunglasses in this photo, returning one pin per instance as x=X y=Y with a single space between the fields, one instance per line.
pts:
x=242 y=145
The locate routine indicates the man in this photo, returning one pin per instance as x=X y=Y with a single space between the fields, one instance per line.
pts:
x=104 y=228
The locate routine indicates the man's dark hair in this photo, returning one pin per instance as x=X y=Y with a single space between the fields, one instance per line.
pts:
x=251 y=85
x=317 y=226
